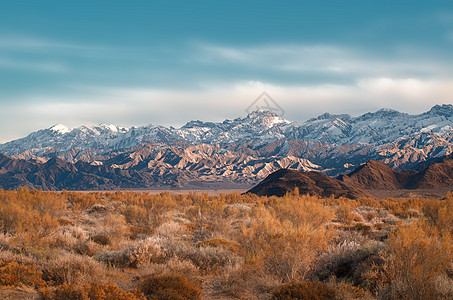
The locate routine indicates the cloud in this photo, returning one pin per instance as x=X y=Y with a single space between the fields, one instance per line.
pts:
x=42 y=66
x=28 y=43
x=213 y=82
x=329 y=59
x=215 y=102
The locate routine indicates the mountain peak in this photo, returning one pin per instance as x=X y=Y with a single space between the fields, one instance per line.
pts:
x=60 y=128
x=260 y=113
x=444 y=109
x=387 y=110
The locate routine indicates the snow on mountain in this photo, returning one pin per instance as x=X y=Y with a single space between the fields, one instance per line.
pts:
x=258 y=128
x=60 y=128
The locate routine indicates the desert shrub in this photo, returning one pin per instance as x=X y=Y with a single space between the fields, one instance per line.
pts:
x=87 y=248
x=344 y=215
x=444 y=286
x=38 y=250
x=285 y=238
x=138 y=254
x=101 y=239
x=94 y=291
x=220 y=242
x=345 y=290
x=208 y=259
x=173 y=266
x=348 y=236
x=140 y=232
x=347 y=261
x=115 y=225
x=73 y=269
x=415 y=257
x=401 y=207
x=440 y=214
x=247 y=282
x=15 y=217
x=136 y=215
x=301 y=210
x=170 y=287
x=43 y=203
x=365 y=229
x=81 y=201
x=305 y=291
x=13 y=273
x=169 y=229
x=65 y=222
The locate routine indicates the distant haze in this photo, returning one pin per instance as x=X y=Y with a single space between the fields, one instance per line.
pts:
x=167 y=63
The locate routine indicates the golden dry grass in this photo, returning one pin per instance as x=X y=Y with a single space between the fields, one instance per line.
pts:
x=228 y=246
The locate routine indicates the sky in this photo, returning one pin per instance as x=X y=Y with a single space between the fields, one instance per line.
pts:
x=168 y=62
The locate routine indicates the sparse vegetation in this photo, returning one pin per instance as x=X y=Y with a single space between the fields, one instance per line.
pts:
x=128 y=245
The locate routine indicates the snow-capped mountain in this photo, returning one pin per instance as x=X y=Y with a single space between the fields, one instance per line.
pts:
x=245 y=150
x=258 y=128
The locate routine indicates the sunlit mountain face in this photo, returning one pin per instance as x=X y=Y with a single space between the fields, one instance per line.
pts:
x=242 y=151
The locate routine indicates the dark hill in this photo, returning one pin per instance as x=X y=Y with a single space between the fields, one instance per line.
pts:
x=284 y=180
x=438 y=174
x=375 y=175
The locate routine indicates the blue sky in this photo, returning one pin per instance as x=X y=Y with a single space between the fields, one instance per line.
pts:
x=168 y=62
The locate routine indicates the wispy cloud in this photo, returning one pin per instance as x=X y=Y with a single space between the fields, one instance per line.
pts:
x=132 y=106
x=324 y=59
x=38 y=66
x=20 y=42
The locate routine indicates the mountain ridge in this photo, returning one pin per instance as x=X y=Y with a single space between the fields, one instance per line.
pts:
x=246 y=150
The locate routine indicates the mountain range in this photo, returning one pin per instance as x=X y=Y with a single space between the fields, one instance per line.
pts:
x=233 y=153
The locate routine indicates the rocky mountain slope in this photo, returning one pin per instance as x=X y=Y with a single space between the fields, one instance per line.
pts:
x=245 y=150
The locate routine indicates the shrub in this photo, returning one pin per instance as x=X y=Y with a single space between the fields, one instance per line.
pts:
x=13 y=274
x=170 y=287
x=73 y=269
x=346 y=261
x=115 y=225
x=344 y=215
x=415 y=258
x=101 y=239
x=247 y=282
x=207 y=259
x=94 y=291
x=144 y=252
x=219 y=242
x=305 y=291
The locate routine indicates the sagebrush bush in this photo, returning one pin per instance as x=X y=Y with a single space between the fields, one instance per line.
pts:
x=13 y=273
x=101 y=239
x=304 y=291
x=220 y=242
x=73 y=269
x=94 y=291
x=416 y=256
x=138 y=254
x=170 y=287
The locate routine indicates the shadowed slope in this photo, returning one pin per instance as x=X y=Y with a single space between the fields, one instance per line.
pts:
x=283 y=181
